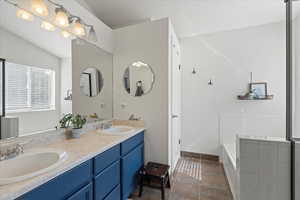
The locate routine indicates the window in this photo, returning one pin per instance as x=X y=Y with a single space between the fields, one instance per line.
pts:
x=29 y=88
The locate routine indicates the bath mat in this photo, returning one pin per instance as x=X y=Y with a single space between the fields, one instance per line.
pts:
x=190 y=167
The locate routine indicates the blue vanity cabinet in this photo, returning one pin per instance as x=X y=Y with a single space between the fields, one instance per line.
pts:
x=115 y=194
x=132 y=162
x=106 y=158
x=107 y=172
x=85 y=193
x=63 y=186
x=106 y=181
x=132 y=143
x=111 y=175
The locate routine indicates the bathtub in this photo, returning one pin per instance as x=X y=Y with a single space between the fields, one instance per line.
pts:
x=251 y=156
x=229 y=163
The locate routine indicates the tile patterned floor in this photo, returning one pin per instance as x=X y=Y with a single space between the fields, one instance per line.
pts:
x=212 y=186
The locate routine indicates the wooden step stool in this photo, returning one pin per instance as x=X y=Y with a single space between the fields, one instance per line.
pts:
x=155 y=172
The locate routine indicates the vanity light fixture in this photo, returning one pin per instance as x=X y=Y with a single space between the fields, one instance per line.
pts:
x=136 y=64
x=139 y=64
x=92 y=34
x=48 y=26
x=39 y=7
x=78 y=28
x=65 y=34
x=23 y=14
x=61 y=17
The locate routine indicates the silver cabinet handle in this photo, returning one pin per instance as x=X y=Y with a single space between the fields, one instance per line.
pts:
x=175 y=116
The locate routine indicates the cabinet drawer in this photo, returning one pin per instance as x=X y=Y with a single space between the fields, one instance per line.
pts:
x=115 y=194
x=131 y=143
x=106 y=181
x=106 y=158
x=64 y=185
x=85 y=193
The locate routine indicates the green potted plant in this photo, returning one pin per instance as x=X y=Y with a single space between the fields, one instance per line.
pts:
x=73 y=125
x=65 y=122
x=78 y=122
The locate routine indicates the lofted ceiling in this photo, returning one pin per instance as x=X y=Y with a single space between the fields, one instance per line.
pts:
x=190 y=17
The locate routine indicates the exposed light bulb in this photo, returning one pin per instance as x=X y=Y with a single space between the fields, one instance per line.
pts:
x=92 y=36
x=47 y=26
x=39 y=7
x=23 y=14
x=139 y=64
x=61 y=18
x=79 y=29
x=65 y=34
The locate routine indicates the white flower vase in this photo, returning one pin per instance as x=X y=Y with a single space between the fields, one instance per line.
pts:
x=76 y=132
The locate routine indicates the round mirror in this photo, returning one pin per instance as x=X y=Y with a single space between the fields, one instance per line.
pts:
x=138 y=79
x=91 y=82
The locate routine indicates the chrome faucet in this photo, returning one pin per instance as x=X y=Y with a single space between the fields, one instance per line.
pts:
x=106 y=125
x=134 y=118
x=10 y=151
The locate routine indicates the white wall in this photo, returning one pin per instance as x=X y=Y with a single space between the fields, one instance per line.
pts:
x=228 y=58
x=17 y=50
x=83 y=57
x=84 y=4
x=66 y=84
x=148 y=43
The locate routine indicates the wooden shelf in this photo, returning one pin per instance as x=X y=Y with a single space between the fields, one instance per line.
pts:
x=244 y=98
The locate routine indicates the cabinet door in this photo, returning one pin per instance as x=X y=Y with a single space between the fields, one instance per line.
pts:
x=131 y=164
x=115 y=194
x=106 y=181
x=132 y=143
x=106 y=158
x=85 y=193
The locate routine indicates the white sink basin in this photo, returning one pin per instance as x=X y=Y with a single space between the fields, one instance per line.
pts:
x=117 y=130
x=30 y=164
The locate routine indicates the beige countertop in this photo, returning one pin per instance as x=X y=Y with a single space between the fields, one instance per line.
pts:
x=79 y=150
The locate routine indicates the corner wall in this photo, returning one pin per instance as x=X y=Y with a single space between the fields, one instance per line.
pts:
x=147 y=42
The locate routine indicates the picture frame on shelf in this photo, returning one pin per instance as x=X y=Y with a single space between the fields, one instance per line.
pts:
x=260 y=89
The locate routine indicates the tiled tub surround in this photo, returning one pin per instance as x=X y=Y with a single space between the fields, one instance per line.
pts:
x=258 y=168
x=79 y=151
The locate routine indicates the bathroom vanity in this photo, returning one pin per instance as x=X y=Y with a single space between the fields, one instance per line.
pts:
x=107 y=173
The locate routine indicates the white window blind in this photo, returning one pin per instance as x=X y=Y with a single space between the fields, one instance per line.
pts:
x=29 y=88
